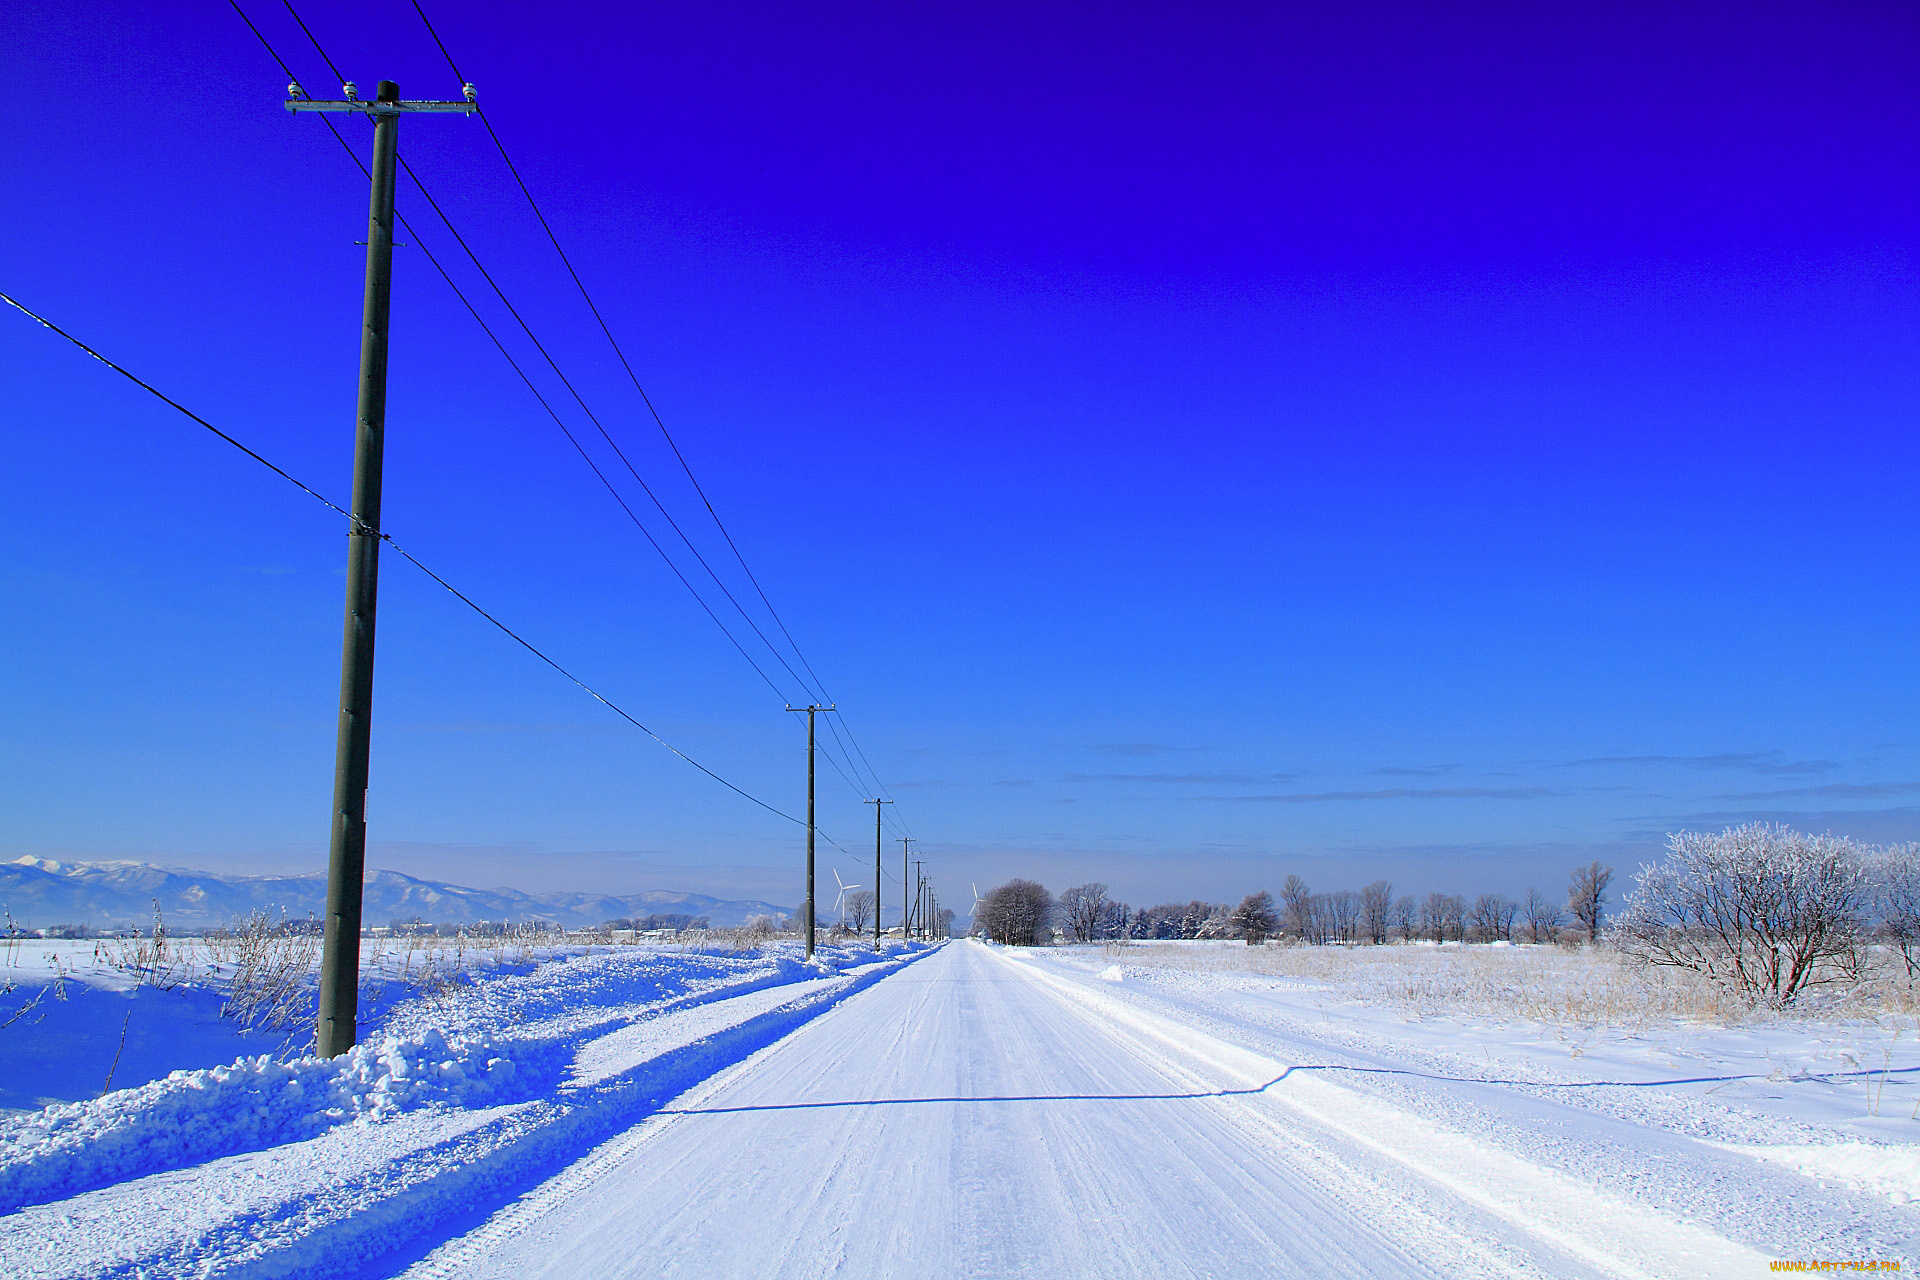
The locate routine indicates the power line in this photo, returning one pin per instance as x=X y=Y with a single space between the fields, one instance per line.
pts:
x=526 y=644
x=544 y=403
x=605 y=329
x=604 y=433
x=857 y=787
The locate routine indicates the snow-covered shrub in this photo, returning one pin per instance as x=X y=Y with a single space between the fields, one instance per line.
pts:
x=1762 y=908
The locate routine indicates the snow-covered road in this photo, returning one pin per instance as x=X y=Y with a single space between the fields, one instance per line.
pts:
x=984 y=1113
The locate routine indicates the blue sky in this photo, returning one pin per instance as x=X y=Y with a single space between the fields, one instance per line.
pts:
x=1192 y=443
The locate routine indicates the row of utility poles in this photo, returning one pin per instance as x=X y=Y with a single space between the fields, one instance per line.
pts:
x=337 y=1028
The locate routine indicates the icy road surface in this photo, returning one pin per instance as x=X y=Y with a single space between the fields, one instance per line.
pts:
x=983 y=1113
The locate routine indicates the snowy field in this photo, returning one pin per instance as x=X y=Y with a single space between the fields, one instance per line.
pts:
x=1188 y=1109
x=1832 y=1086
x=220 y=1148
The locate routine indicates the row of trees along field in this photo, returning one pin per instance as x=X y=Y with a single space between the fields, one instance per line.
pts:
x=1021 y=912
x=1765 y=910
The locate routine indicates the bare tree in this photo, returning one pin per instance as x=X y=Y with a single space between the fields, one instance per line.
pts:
x=859 y=909
x=1343 y=916
x=1542 y=914
x=1491 y=917
x=1433 y=916
x=1016 y=913
x=1255 y=917
x=1587 y=897
x=1760 y=907
x=1376 y=908
x=1081 y=909
x=1402 y=917
x=1296 y=916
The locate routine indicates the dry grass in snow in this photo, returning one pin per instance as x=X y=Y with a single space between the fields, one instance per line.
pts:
x=1555 y=986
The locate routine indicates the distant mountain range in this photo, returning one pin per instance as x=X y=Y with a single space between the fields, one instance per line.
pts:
x=41 y=892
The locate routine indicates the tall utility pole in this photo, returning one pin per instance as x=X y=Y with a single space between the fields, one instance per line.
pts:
x=919 y=896
x=906 y=904
x=876 y=870
x=347 y=847
x=810 y=709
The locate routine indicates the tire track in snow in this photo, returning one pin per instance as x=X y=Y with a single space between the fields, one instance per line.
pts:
x=978 y=1120
x=1604 y=1231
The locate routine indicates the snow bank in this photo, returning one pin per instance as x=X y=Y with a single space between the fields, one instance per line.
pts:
x=193 y=1116
x=1890 y=1171
x=416 y=1144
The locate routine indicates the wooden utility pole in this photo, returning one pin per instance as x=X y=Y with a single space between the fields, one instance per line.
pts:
x=337 y=1029
x=906 y=903
x=920 y=896
x=810 y=709
x=876 y=870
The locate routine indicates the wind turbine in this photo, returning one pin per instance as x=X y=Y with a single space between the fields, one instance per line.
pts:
x=840 y=897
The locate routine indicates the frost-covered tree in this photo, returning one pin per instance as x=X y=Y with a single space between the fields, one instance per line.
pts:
x=1218 y=924
x=1762 y=908
x=1896 y=874
x=1255 y=917
x=1142 y=924
x=1587 y=897
x=1376 y=910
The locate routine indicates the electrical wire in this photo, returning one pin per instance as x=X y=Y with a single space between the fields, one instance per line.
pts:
x=621 y=354
x=524 y=643
x=647 y=400
x=604 y=433
x=585 y=456
x=553 y=364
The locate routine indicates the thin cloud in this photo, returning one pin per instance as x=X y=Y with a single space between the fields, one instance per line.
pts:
x=1138 y=748
x=1215 y=779
x=1831 y=791
x=1412 y=771
x=1768 y=762
x=1898 y=823
x=1400 y=793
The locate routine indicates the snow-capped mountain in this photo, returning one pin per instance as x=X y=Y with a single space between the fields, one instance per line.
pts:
x=40 y=892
